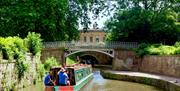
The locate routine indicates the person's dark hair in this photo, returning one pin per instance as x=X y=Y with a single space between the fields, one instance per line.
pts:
x=50 y=70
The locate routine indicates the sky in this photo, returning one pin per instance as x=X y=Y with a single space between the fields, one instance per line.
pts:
x=100 y=20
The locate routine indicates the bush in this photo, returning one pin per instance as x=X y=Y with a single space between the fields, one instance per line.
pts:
x=34 y=43
x=50 y=62
x=6 y=47
x=177 y=51
x=177 y=44
x=158 y=49
x=142 y=49
x=11 y=46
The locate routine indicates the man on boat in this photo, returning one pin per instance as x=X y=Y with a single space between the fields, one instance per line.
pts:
x=63 y=77
x=47 y=80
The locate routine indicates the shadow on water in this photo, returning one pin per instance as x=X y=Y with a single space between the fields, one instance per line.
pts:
x=98 y=83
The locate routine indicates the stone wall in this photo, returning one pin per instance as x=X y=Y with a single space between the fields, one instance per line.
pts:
x=58 y=53
x=123 y=59
x=166 y=65
x=128 y=60
x=8 y=73
x=124 y=54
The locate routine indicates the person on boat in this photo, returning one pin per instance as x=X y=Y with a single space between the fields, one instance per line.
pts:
x=64 y=65
x=63 y=77
x=47 y=80
x=68 y=81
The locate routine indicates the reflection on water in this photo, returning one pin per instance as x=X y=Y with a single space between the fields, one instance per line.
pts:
x=98 y=83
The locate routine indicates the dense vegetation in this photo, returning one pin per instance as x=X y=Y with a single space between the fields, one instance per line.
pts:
x=158 y=49
x=53 y=19
x=149 y=21
x=152 y=21
x=15 y=48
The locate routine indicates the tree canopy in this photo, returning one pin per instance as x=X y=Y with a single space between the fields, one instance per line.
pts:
x=152 y=21
x=53 y=19
x=134 y=20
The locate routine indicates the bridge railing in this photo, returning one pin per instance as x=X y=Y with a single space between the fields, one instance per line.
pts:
x=90 y=45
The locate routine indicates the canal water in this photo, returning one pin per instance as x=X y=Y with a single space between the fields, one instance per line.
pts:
x=98 y=83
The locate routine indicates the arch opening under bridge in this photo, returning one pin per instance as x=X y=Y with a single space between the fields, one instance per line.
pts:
x=93 y=57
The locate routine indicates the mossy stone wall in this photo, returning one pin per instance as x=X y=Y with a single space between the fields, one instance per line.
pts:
x=9 y=76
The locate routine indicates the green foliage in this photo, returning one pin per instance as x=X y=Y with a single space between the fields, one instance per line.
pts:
x=41 y=70
x=177 y=45
x=145 y=21
x=16 y=48
x=157 y=49
x=142 y=50
x=53 y=19
x=50 y=62
x=12 y=46
x=177 y=50
x=70 y=61
x=34 y=42
x=22 y=67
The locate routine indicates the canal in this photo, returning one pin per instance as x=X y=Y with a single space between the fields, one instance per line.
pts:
x=100 y=84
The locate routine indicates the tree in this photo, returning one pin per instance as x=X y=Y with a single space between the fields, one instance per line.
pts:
x=53 y=19
x=153 y=21
x=58 y=19
x=46 y=17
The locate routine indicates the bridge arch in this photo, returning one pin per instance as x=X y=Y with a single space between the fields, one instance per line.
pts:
x=98 y=51
x=101 y=57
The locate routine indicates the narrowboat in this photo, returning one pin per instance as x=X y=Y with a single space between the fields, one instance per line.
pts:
x=79 y=76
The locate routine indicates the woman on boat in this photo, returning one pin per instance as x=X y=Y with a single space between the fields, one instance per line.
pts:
x=63 y=78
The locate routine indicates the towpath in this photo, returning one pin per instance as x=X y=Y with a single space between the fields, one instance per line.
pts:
x=173 y=80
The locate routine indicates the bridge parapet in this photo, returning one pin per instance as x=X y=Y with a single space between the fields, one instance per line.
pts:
x=91 y=45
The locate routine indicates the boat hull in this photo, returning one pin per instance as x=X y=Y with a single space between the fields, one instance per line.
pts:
x=76 y=87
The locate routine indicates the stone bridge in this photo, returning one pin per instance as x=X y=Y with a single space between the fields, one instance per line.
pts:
x=117 y=54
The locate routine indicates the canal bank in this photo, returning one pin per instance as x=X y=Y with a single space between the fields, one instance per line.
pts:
x=160 y=81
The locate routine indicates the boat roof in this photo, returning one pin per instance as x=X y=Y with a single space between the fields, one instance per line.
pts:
x=79 y=66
